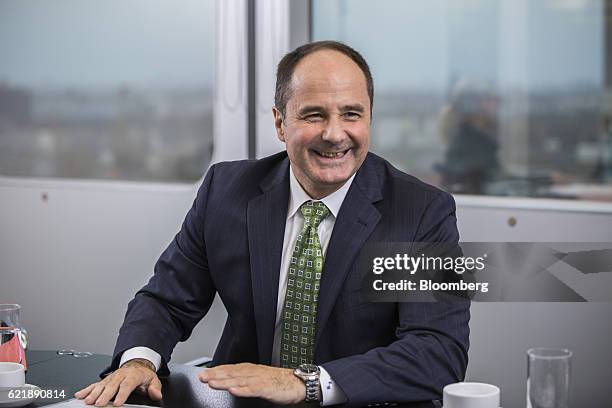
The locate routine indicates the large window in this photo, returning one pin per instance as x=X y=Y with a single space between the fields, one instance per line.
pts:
x=492 y=97
x=114 y=89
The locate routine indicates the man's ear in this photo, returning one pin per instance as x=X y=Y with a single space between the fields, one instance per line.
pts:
x=278 y=124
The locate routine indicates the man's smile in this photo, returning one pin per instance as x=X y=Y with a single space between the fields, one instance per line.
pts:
x=331 y=155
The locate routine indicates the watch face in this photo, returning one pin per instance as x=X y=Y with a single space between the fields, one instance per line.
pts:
x=308 y=369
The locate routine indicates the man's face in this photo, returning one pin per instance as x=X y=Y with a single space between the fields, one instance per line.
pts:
x=326 y=127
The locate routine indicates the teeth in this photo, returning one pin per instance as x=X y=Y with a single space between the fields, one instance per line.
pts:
x=330 y=155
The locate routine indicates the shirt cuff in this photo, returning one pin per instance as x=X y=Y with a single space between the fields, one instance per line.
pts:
x=141 y=352
x=331 y=393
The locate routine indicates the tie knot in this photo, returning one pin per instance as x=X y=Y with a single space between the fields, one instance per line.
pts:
x=314 y=212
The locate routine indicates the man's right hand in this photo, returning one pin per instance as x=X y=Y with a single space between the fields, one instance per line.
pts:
x=134 y=374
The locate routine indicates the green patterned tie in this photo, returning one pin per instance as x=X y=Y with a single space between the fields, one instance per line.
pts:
x=300 y=308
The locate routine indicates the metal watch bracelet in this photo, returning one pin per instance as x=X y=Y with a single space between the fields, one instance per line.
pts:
x=309 y=374
x=312 y=390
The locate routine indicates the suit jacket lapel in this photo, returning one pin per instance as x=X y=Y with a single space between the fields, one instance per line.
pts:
x=266 y=218
x=356 y=221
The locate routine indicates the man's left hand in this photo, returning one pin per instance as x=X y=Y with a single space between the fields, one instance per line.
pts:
x=274 y=384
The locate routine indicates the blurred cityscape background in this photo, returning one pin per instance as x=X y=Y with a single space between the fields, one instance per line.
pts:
x=493 y=97
x=117 y=90
x=124 y=133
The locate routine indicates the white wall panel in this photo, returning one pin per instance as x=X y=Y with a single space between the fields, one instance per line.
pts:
x=75 y=260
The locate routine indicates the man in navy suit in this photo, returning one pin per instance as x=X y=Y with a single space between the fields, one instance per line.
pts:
x=240 y=240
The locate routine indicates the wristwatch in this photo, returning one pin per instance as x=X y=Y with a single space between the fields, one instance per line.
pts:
x=309 y=373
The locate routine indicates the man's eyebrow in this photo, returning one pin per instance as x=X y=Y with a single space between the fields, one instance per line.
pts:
x=316 y=108
x=310 y=109
x=356 y=107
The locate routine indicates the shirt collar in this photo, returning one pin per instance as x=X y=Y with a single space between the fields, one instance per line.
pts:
x=297 y=196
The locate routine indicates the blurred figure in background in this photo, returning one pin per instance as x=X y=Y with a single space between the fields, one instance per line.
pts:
x=468 y=125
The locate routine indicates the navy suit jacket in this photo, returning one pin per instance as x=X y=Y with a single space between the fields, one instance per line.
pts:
x=231 y=242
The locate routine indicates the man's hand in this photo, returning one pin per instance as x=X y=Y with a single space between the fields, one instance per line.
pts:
x=274 y=384
x=135 y=374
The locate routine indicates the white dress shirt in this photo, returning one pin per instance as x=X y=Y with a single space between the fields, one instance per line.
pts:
x=331 y=393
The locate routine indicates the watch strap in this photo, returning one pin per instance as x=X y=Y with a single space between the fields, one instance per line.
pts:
x=312 y=389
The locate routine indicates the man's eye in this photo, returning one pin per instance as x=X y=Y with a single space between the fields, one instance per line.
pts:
x=352 y=115
x=314 y=117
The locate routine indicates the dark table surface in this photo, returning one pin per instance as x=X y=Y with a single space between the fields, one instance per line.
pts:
x=182 y=389
x=62 y=374
x=66 y=374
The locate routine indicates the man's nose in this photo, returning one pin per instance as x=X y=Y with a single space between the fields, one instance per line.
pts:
x=334 y=131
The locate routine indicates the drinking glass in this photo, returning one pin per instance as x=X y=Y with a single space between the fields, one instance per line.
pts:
x=548 y=377
x=13 y=337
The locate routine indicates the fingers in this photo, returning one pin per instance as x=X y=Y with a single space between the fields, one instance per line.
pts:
x=84 y=392
x=106 y=391
x=228 y=383
x=229 y=371
x=154 y=390
x=95 y=393
x=238 y=377
x=217 y=373
x=119 y=385
x=125 y=389
x=274 y=384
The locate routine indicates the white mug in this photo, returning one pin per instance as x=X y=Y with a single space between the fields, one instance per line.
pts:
x=11 y=375
x=470 y=395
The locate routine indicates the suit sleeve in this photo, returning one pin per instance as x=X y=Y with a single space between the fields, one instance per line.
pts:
x=432 y=339
x=179 y=294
